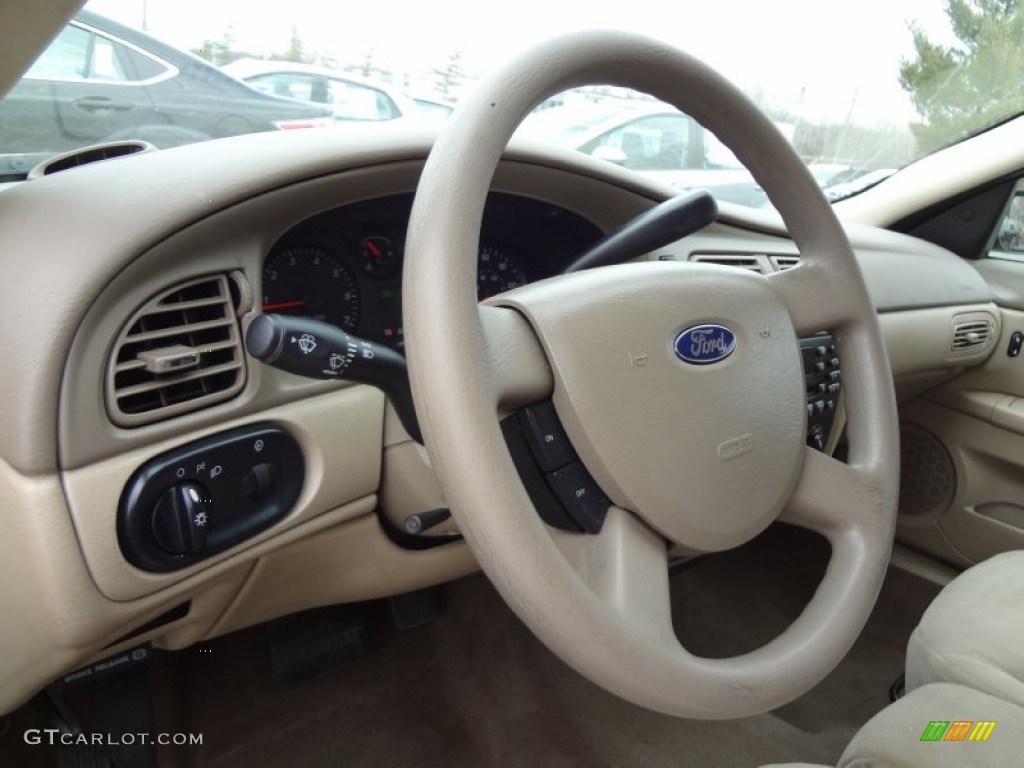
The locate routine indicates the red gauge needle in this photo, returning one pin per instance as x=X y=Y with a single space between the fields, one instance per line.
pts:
x=373 y=249
x=283 y=305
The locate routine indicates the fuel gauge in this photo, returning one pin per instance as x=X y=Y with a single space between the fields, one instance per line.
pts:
x=378 y=256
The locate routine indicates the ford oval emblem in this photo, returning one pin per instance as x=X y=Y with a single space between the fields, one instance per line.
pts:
x=704 y=344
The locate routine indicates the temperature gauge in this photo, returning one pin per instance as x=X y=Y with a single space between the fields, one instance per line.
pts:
x=378 y=256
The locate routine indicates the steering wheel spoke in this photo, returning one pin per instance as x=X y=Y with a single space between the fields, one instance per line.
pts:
x=517 y=368
x=831 y=496
x=816 y=296
x=626 y=567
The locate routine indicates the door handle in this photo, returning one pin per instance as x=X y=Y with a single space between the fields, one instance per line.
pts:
x=99 y=103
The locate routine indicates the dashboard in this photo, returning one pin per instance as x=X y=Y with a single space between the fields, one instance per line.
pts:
x=289 y=224
x=344 y=266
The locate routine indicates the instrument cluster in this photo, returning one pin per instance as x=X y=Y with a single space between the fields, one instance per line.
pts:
x=345 y=266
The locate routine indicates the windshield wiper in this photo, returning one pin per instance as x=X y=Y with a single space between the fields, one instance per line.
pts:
x=858 y=185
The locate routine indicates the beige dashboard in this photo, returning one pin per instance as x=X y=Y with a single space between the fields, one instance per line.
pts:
x=86 y=248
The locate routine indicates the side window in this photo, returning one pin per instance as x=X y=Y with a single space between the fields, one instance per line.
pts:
x=656 y=143
x=103 y=61
x=67 y=58
x=719 y=156
x=386 y=107
x=1010 y=236
x=146 y=67
x=352 y=101
x=78 y=54
x=286 y=85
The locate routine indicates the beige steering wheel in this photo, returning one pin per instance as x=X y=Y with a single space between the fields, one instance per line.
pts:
x=701 y=457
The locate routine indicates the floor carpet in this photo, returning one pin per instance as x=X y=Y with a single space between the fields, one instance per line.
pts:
x=474 y=688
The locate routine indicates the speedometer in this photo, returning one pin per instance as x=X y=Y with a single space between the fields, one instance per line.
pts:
x=497 y=272
x=305 y=280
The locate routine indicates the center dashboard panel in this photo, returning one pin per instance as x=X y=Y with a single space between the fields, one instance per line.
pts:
x=344 y=266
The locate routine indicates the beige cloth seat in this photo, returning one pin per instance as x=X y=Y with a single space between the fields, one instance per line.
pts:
x=892 y=738
x=965 y=664
x=973 y=632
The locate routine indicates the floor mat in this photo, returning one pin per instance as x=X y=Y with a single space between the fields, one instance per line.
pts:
x=474 y=688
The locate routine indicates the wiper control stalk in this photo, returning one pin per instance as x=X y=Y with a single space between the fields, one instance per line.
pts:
x=319 y=350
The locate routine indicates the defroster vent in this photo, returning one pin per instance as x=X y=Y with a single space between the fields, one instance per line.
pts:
x=753 y=262
x=785 y=262
x=179 y=352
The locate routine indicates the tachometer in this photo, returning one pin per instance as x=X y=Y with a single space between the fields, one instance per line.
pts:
x=497 y=272
x=305 y=280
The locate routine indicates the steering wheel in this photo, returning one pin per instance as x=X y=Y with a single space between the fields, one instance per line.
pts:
x=702 y=457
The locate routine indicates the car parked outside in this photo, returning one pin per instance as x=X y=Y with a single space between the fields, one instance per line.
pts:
x=430 y=106
x=101 y=81
x=348 y=96
x=650 y=137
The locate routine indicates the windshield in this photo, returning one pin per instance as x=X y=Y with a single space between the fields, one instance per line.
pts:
x=859 y=89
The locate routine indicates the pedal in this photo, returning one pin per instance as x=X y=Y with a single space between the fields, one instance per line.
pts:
x=310 y=643
x=414 y=609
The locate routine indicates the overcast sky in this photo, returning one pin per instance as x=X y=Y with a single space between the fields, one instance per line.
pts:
x=834 y=58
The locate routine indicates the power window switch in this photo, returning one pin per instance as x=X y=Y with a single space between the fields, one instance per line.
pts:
x=548 y=442
x=1016 y=343
x=580 y=495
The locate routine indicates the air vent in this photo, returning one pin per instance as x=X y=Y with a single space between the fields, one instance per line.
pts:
x=178 y=353
x=785 y=262
x=971 y=334
x=753 y=262
x=87 y=155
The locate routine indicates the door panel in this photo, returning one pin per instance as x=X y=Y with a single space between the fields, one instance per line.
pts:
x=967 y=436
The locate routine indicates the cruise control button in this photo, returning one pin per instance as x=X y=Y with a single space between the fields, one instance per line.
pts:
x=580 y=495
x=548 y=442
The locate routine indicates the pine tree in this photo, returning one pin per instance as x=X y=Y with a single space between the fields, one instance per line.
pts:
x=961 y=89
x=296 y=50
x=453 y=74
